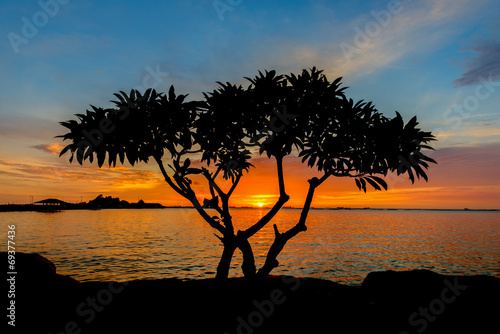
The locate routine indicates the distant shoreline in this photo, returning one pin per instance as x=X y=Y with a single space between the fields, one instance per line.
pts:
x=39 y=208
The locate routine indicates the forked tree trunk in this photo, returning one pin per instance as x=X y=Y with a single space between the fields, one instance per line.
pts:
x=248 y=266
x=281 y=239
x=279 y=243
x=224 y=265
x=225 y=262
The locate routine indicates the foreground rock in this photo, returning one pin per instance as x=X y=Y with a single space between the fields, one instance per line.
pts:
x=387 y=302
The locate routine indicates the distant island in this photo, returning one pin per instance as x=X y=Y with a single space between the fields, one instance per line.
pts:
x=109 y=202
x=100 y=202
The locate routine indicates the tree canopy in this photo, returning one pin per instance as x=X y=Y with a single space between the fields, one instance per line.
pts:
x=275 y=115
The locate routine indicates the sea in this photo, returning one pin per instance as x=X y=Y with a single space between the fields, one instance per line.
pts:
x=339 y=245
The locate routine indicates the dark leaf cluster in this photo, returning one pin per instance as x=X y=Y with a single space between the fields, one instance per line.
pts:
x=274 y=115
x=139 y=127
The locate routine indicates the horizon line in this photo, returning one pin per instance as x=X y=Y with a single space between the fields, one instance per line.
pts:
x=296 y=208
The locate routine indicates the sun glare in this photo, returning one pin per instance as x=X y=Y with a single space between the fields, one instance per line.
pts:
x=260 y=204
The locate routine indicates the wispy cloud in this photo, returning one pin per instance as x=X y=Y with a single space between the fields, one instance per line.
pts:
x=485 y=65
x=117 y=177
x=53 y=149
x=418 y=27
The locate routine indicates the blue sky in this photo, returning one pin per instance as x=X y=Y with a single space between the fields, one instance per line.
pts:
x=424 y=58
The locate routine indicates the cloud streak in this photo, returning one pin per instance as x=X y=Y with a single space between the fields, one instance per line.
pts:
x=485 y=65
x=117 y=177
x=417 y=27
x=53 y=149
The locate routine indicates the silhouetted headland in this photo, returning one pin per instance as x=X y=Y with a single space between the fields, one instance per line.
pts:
x=109 y=202
x=418 y=301
x=100 y=202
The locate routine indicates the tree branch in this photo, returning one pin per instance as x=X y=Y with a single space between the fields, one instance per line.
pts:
x=212 y=222
x=281 y=239
x=248 y=265
x=249 y=232
x=212 y=183
x=281 y=180
x=220 y=238
x=347 y=173
x=189 y=194
x=235 y=183
x=277 y=206
x=226 y=217
x=168 y=179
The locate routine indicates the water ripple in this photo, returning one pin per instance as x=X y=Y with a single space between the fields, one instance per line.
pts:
x=339 y=245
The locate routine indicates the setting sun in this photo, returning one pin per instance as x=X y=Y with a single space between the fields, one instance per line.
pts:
x=260 y=204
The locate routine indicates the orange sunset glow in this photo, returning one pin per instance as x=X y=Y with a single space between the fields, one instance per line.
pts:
x=453 y=91
x=451 y=184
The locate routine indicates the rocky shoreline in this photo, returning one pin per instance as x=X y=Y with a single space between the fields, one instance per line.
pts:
x=418 y=301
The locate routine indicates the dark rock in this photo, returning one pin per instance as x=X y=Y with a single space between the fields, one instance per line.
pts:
x=384 y=303
x=420 y=301
x=33 y=268
x=402 y=285
x=35 y=264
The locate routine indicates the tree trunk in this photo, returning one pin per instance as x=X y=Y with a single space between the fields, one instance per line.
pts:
x=229 y=243
x=279 y=243
x=281 y=239
x=248 y=266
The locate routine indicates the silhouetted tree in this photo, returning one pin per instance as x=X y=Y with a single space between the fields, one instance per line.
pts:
x=275 y=115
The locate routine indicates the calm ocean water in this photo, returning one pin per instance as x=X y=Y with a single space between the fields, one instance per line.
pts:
x=342 y=246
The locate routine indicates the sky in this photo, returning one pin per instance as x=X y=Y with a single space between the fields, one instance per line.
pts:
x=437 y=59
